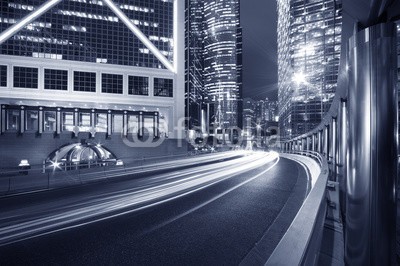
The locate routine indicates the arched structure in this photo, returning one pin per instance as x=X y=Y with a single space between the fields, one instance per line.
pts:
x=78 y=153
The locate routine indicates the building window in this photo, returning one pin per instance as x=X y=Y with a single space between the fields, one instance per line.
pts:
x=26 y=77
x=31 y=120
x=85 y=122
x=3 y=76
x=67 y=121
x=133 y=124
x=111 y=83
x=84 y=81
x=49 y=121
x=101 y=122
x=163 y=87
x=148 y=125
x=13 y=117
x=117 y=123
x=55 y=79
x=138 y=85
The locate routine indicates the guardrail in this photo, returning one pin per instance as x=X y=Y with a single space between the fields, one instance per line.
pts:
x=301 y=243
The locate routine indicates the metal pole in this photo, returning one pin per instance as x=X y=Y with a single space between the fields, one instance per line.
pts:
x=333 y=147
x=372 y=170
x=319 y=141
x=341 y=150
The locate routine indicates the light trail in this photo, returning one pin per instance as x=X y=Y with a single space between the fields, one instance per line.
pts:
x=47 y=218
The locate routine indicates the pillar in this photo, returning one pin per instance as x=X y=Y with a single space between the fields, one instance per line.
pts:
x=332 y=149
x=125 y=124
x=319 y=141
x=109 y=123
x=156 y=125
x=22 y=120
x=341 y=155
x=372 y=170
x=58 y=121
x=40 y=120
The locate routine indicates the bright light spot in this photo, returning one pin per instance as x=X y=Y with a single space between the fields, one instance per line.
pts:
x=299 y=78
x=24 y=163
x=55 y=164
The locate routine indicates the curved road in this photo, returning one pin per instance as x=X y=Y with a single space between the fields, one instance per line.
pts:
x=209 y=214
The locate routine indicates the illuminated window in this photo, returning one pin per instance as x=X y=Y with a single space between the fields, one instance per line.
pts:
x=111 y=83
x=25 y=77
x=133 y=124
x=13 y=119
x=85 y=122
x=117 y=123
x=55 y=79
x=84 y=81
x=163 y=87
x=67 y=121
x=49 y=121
x=31 y=120
x=101 y=122
x=138 y=85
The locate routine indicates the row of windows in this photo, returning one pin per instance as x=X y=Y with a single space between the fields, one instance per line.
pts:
x=85 y=123
x=56 y=79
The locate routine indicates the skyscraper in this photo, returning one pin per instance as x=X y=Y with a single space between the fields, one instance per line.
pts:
x=309 y=44
x=90 y=69
x=218 y=50
x=195 y=94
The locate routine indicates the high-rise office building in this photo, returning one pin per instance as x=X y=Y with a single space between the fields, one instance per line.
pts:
x=309 y=44
x=222 y=61
x=195 y=94
x=213 y=63
x=90 y=69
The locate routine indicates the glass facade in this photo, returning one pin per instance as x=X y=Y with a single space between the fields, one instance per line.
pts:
x=222 y=61
x=13 y=119
x=163 y=87
x=88 y=31
x=309 y=44
x=25 y=77
x=55 y=79
x=138 y=85
x=195 y=93
x=213 y=63
x=84 y=81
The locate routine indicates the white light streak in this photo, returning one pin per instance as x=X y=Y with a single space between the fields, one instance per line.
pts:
x=138 y=33
x=5 y=35
x=49 y=217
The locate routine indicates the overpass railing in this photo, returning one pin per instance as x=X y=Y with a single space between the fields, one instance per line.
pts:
x=301 y=243
x=358 y=139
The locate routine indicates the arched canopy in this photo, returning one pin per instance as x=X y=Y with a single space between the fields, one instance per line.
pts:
x=78 y=152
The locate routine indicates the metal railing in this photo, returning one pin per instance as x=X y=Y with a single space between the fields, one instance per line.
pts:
x=301 y=243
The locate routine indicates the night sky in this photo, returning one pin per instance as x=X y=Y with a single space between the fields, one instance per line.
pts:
x=260 y=77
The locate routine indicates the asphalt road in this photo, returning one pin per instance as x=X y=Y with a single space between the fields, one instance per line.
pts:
x=217 y=221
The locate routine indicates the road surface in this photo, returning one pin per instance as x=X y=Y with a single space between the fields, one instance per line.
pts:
x=207 y=214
